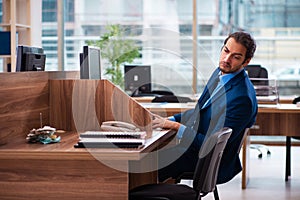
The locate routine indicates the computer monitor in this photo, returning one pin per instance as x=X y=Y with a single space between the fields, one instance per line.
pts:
x=90 y=63
x=137 y=79
x=30 y=58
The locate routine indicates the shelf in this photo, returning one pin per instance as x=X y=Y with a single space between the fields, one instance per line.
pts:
x=16 y=20
x=23 y=26
x=5 y=56
x=17 y=26
x=4 y=25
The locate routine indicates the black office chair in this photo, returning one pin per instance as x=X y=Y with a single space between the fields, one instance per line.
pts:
x=171 y=99
x=205 y=175
x=143 y=90
x=256 y=72
x=189 y=175
x=259 y=78
x=288 y=149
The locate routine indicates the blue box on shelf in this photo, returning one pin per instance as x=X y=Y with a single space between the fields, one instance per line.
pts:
x=4 y=43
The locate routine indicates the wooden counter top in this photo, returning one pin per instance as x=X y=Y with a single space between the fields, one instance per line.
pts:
x=65 y=150
x=280 y=108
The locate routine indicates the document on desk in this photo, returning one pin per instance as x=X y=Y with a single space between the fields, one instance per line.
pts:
x=267 y=98
x=105 y=139
x=268 y=105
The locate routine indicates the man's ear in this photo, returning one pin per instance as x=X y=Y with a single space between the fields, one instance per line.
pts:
x=246 y=62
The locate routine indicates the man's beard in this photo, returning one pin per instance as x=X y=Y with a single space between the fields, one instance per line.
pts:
x=226 y=68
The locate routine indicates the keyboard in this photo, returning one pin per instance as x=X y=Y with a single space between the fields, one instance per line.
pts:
x=109 y=143
x=113 y=134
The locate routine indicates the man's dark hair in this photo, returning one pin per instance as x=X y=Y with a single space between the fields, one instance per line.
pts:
x=244 y=39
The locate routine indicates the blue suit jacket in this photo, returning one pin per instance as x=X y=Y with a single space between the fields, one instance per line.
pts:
x=233 y=106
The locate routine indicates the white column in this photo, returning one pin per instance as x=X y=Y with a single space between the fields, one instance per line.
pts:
x=36 y=23
x=60 y=35
x=195 y=45
x=164 y=37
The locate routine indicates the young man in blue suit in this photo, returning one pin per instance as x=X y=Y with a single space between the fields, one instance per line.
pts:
x=228 y=100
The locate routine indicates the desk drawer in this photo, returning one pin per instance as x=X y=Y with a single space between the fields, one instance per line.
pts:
x=276 y=124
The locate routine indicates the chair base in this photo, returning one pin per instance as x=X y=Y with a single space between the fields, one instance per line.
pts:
x=259 y=148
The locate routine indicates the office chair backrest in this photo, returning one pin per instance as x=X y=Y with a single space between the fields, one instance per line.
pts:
x=296 y=100
x=206 y=172
x=259 y=78
x=256 y=72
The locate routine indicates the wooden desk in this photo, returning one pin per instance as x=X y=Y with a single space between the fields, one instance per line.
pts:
x=35 y=171
x=148 y=99
x=60 y=171
x=272 y=120
x=280 y=120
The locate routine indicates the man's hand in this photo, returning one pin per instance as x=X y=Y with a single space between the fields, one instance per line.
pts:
x=161 y=122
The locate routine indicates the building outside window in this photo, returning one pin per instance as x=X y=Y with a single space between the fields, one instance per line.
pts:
x=163 y=29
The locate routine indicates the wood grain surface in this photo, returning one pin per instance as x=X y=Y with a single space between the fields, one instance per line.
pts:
x=60 y=171
x=80 y=105
x=24 y=96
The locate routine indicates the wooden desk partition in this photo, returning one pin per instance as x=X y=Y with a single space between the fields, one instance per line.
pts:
x=60 y=171
x=280 y=120
x=79 y=105
x=23 y=96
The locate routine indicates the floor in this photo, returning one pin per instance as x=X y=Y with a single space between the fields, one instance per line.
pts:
x=266 y=178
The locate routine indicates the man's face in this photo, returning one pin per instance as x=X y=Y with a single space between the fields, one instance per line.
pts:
x=232 y=57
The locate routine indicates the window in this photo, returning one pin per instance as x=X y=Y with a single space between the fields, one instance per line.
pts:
x=49 y=10
x=163 y=29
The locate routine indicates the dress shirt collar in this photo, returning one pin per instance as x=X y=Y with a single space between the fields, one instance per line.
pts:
x=227 y=77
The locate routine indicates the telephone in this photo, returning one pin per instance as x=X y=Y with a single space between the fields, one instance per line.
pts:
x=118 y=126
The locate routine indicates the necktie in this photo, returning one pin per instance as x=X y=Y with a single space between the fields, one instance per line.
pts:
x=218 y=85
x=214 y=85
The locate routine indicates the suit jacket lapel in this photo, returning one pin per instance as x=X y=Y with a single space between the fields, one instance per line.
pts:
x=210 y=86
x=226 y=88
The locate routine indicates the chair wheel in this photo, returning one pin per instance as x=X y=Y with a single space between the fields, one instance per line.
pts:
x=268 y=153
x=260 y=155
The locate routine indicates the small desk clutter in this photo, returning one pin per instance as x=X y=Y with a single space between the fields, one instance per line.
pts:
x=44 y=135
x=75 y=106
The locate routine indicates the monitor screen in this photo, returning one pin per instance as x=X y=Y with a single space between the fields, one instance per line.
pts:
x=90 y=63
x=137 y=78
x=30 y=59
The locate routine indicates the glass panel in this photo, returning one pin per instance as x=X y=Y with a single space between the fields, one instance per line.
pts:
x=163 y=31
